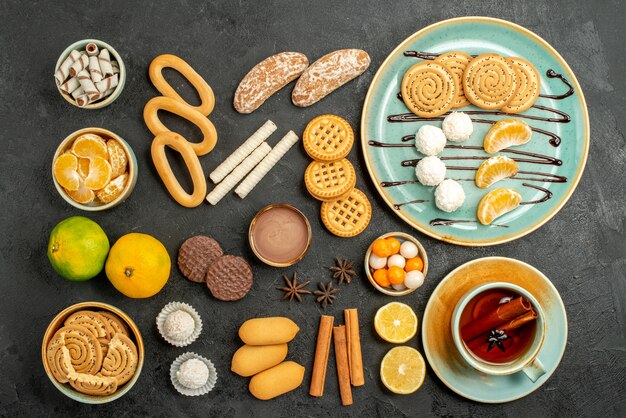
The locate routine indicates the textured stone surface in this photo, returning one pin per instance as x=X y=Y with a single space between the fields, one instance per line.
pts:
x=583 y=249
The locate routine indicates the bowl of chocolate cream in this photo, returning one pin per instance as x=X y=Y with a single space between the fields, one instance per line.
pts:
x=280 y=235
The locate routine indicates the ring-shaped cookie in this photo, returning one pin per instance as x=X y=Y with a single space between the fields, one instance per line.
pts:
x=207 y=98
x=180 y=144
x=151 y=117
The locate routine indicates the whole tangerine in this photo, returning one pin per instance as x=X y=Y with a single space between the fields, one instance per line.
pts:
x=381 y=248
x=380 y=277
x=415 y=263
x=395 y=275
x=394 y=244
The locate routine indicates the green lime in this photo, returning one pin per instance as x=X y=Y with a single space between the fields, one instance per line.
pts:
x=78 y=248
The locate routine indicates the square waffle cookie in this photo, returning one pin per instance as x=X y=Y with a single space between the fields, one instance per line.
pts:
x=328 y=138
x=329 y=180
x=348 y=215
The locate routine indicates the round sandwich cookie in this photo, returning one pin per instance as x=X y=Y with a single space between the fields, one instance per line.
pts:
x=489 y=81
x=196 y=255
x=528 y=86
x=229 y=278
x=456 y=61
x=329 y=180
x=328 y=138
x=429 y=89
x=348 y=215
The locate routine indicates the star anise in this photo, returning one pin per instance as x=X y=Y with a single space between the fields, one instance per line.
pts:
x=326 y=294
x=293 y=289
x=343 y=270
x=495 y=337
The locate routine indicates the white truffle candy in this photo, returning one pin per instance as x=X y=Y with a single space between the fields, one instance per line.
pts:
x=193 y=373
x=430 y=140
x=430 y=171
x=449 y=195
x=457 y=127
x=178 y=325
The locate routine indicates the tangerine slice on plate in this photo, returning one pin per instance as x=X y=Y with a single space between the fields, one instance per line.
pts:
x=402 y=370
x=83 y=167
x=117 y=158
x=395 y=322
x=496 y=203
x=111 y=191
x=99 y=174
x=506 y=133
x=90 y=146
x=65 y=171
x=495 y=169
x=82 y=195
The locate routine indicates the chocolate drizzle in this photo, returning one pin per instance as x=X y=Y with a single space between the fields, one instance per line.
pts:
x=450 y=222
x=397 y=206
x=547 y=196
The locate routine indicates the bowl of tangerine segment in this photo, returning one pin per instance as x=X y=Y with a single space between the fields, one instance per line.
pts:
x=94 y=169
x=396 y=264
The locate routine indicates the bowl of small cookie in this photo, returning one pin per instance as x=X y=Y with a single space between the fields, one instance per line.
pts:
x=92 y=352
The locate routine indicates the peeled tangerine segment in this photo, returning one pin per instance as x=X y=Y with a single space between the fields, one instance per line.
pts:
x=495 y=169
x=82 y=195
x=90 y=146
x=111 y=191
x=507 y=133
x=99 y=174
x=496 y=203
x=83 y=167
x=65 y=171
x=117 y=157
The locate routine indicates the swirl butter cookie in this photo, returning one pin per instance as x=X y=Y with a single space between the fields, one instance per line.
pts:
x=429 y=89
x=93 y=385
x=84 y=348
x=489 y=81
x=121 y=359
x=456 y=61
x=527 y=87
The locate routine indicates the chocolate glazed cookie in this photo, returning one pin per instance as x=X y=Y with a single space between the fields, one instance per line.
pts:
x=196 y=255
x=229 y=278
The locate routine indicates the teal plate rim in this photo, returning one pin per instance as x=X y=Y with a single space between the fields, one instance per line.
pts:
x=449 y=234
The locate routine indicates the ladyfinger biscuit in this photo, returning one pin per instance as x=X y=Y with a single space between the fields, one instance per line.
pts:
x=328 y=74
x=276 y=381
x=252 y=359
x=266 y=78
x=268 y=331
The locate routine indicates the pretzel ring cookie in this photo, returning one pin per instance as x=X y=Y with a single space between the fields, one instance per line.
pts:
x=207 y=98
x=151 y=117
x=429 y=89
x=329 y=180
x=489 y=81
x=456 y=61
x=185 y=148
x=348 y=215
x=527 y=87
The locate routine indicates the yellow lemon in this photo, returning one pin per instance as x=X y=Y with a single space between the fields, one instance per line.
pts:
x=395 y=322
x=403 y=370
x=138 y=265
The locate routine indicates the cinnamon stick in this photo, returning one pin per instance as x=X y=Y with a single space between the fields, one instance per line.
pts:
x=477 y=343
x=355 y=358
x=343 y=370
x=322 y=349
x=503 y=313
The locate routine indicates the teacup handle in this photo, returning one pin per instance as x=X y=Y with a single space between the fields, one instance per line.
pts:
x=534 y=370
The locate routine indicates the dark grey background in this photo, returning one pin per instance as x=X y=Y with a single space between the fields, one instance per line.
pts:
x=582 y=249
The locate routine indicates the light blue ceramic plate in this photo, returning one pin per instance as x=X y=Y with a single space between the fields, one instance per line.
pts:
x=444 y=358
x=556 y=180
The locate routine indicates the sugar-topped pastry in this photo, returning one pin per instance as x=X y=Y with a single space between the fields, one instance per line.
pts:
x=457 y=127
x=430 y=171
x=430 y=140
x=449 y=195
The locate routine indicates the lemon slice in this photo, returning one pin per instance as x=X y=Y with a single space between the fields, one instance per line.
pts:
x=496 y=203
x=506 y=133
x=403 y=370
x=495 y=169
x=396 y=322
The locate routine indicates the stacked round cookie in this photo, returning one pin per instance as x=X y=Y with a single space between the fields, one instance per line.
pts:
x=331 y=178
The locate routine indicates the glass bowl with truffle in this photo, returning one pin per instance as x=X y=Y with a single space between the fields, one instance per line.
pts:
x=396 y=264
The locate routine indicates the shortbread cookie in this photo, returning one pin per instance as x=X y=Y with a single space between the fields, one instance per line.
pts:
x=328 y=74
x=429 y=89
x=456 y=61
x=347 y=216
x=266 y=78
x=93 y=385
x=196 y=255
x=528 y=85
x=117 y=325
x=489 y=81
x=121 y=359
x=329 y=180
x=328 y=138
x=229 y=278
x=84 y=347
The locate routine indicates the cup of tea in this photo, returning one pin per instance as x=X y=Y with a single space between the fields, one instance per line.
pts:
x=499 y=329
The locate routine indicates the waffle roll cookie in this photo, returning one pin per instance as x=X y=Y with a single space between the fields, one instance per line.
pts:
x=429 y=89
x=490 y=82
x=528 y=86
x=64 y=70
x=456 y=61
x=245 y=149
x=266 y=164
x=79 y=65
x=104 y=58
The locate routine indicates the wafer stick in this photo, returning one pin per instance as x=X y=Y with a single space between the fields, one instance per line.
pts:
x=243 y=151
x=107 y=83
x=238 y=173
x=266 y=165
x=355 y=359
x=343 y=370
x=64 y=70
x=105 y=63
x=322 y=349
x=87 y=84
x=70 y=85
x=77 y=92
x=94 y=69
x=79 y=65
